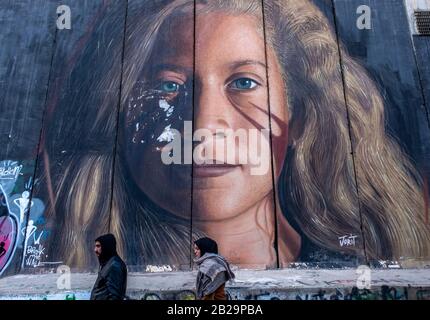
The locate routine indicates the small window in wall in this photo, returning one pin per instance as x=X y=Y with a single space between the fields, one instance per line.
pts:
x=422 y=19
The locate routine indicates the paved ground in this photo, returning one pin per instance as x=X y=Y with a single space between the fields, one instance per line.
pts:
x=267 y=284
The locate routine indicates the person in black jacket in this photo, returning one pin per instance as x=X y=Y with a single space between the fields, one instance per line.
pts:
x=111 y=283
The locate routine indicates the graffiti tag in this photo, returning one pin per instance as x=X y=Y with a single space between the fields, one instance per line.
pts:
x=347 y=241
x=10 y=172
x=34 y=255
x=163 y=268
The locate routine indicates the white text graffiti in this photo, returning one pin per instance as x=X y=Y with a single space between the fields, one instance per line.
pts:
x=10 y=172
x=34 y=255
x=347 y=241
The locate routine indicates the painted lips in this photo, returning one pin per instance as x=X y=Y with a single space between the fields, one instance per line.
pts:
x=212 y=170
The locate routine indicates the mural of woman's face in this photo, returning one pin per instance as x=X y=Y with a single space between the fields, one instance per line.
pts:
x=226 y=66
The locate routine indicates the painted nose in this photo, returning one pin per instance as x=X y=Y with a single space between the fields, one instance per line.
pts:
x=211 y=109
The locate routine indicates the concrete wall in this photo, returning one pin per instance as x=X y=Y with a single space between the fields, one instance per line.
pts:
x=285 y=284
x=341 y=88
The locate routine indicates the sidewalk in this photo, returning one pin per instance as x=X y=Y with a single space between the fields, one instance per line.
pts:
x=286 y=284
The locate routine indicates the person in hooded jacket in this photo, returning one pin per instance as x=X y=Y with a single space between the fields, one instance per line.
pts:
x=213 y=270
x=111 y=283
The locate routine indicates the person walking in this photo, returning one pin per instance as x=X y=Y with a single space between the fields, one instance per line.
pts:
x=213 y=270
x=111 y=283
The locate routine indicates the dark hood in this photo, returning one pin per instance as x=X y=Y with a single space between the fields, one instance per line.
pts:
x=108 y=244
x=206 y=245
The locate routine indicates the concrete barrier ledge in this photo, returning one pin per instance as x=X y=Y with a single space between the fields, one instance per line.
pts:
x=285 y=284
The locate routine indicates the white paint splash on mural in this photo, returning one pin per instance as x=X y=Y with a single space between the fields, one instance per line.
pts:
x=168 y=135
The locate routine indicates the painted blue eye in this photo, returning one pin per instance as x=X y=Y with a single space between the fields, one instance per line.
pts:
x=243 y=84
x=169 y=86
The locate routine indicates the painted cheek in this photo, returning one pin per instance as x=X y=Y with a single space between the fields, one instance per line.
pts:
x=152 y=117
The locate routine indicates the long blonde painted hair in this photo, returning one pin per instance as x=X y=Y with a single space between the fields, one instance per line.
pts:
x=318 y=186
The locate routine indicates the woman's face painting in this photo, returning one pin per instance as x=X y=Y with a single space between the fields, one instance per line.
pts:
x=227 y=69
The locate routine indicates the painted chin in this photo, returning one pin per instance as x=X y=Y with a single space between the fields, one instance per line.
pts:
x=214 y=206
